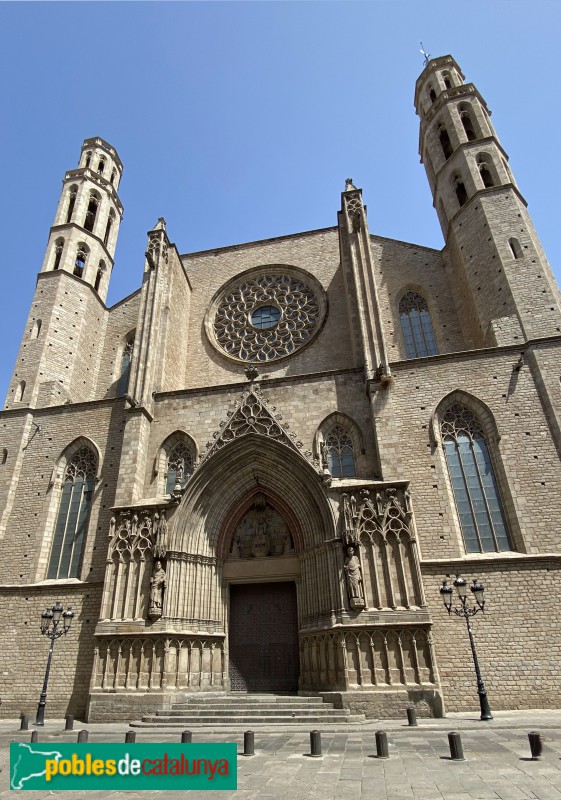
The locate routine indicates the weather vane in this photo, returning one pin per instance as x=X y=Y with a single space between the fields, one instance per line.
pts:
x=425 y=54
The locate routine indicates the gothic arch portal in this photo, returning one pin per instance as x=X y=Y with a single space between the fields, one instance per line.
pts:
x=217 y=496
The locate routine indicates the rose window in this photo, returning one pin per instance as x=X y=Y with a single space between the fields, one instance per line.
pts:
x=267 y=316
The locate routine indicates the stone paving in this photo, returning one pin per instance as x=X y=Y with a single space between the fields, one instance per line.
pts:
x=497 y=764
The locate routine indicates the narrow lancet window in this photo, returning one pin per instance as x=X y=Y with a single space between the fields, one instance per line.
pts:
x=91 y=213
x=460 y=190
x=59 y=245
x=108 y=228
x=80 y=262
x=126 y=359
x=515 y=248
x=445 y=143
x=71 y=203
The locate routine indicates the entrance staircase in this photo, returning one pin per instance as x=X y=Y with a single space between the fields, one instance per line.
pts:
x=256 y=710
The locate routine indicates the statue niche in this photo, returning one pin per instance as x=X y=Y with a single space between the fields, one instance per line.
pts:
x=261 y=532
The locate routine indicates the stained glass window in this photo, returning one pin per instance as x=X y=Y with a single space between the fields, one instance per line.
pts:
x=340 y=455
x=416 y=326
x=473 y=481
x=73 y=515
x=179 y=460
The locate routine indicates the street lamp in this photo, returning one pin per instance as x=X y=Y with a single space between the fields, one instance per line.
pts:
x=50 y=626
x=466 y=611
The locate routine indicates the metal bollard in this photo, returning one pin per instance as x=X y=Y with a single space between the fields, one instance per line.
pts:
x=69 y=723
x=315 y=744
x=186 y=737
x=412 y=716
x=130 y=736
x=249 y=743
x=456 y=749
x=35 y=736
x=382 y=750
x=83 y=736
x=535 y=744
x=24 y=723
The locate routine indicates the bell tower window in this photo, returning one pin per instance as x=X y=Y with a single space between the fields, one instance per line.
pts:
x=460 y=190
x=101 y=165
x=91 y=213
x=59 y=245
x=108 y=227
x=71 y=203
x=80 y=263
x=445 y=143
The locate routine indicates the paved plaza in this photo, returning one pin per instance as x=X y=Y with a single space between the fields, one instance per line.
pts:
x=497 y=764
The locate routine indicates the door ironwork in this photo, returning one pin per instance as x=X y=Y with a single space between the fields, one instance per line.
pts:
x=263 y=637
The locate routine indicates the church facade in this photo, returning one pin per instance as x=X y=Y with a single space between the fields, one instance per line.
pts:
x=253 y=473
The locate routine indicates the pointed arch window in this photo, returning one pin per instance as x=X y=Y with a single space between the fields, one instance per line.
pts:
x=486 y=170
x=88 y=159
x=91 y=213
x=340 y=453
x=467 y=122
x=473 y=481
x=179 y=466
x=59 y=246
x=73 y=515
x=80 y=263
x=445 y=142
x=416 y=325
x=71 y=202
x=126 y=359
x=460 y=190
x=446 y=77
x=108 y=227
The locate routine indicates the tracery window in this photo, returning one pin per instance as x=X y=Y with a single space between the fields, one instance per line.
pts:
x=340 y=453
x=73 y=515
x=266 y=316
x=416 y=325
x=180 y=460
x=126 y=359
x=473 y=481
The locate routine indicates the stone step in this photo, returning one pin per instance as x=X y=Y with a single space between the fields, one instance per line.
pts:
x=233 y=706
x=244 y=699
x=269 y=711
x=172 y=722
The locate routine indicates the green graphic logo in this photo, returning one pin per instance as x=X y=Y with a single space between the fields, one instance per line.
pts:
x=113 y=767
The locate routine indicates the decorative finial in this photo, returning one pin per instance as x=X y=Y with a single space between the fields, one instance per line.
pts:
x=424 y=53
x=160 y=224
x=251 y=373
x=349 y=185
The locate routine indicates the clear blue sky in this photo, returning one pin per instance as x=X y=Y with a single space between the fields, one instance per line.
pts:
x=240 y=121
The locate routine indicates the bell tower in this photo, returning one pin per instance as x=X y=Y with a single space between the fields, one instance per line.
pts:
x=506 y=292
x=59 y=356
x=84 y=234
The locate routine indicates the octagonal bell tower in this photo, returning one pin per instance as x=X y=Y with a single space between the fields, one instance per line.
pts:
x=83 y=238
x=506 y=292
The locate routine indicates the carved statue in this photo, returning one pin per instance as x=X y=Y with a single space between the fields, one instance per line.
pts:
x=260 y=544
x=287 y=547
x=324 y=456
x=157 y=586
x=353 y=573
x=356 y=220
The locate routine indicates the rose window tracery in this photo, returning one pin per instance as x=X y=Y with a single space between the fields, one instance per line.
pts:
x=267 y=316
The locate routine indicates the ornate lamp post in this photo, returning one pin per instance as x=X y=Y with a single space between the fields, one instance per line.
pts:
x=50 y=626
x=466 y=611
